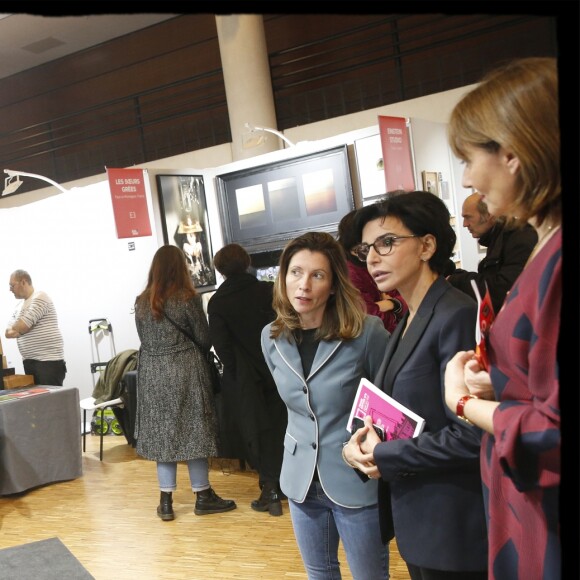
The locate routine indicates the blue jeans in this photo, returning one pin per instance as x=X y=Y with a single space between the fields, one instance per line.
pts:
x=319 y=524
x=198 y=475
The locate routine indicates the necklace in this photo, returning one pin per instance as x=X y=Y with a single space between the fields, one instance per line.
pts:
x=543 y=240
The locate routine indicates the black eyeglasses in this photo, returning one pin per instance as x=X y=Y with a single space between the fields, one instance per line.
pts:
x=383 y=245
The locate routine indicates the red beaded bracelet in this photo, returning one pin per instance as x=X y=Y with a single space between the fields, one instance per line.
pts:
x=461 y=405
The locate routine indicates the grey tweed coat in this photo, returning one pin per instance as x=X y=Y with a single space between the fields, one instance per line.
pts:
x=176 y=418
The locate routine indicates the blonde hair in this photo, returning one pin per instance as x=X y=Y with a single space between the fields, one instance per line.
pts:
x=345 y=310
x=516 y=107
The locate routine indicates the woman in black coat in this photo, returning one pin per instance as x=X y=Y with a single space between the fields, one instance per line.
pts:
x=238 y=311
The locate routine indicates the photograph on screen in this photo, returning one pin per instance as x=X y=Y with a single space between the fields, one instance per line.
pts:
x=251 y=206
x=319 y=192
x=283 y=196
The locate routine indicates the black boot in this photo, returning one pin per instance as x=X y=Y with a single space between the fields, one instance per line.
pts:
x=208 y=502
x=281 y=494
x=269 y=500
x=165 y=507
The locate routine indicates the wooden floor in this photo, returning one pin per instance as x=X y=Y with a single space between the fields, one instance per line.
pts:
x=107 y=519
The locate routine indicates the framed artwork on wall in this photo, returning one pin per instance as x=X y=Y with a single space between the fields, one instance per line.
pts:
x=186 y=225
x=371 y=167
x=431 y=182
x=265 y=206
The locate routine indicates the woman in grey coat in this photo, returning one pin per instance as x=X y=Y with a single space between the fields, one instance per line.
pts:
x=176 y=417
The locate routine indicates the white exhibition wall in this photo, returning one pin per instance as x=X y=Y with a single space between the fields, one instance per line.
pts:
x=68 y=243
x=432 y=153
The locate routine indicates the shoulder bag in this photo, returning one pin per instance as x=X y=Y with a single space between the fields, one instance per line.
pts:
x=215 y=364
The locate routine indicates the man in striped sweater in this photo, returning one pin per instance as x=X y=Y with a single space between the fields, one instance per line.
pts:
x=35 y=326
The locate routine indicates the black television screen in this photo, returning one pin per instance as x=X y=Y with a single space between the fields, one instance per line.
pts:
x=265 y=206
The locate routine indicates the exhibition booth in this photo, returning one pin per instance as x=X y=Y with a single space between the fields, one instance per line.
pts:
x=69 y=241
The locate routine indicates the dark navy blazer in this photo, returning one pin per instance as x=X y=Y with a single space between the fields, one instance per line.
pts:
x=434 y=479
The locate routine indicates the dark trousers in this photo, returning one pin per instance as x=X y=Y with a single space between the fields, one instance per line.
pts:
x=269 y=463
x=270 y=440
x=45 y=372
x=418 y=573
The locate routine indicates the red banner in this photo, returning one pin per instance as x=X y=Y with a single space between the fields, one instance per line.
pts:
x=129 y=202
x=397 y=158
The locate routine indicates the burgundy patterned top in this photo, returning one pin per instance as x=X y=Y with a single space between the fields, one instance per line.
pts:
x=520 y=464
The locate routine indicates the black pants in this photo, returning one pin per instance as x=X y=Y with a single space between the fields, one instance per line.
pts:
x=271 y=451
x=270 y=442
x=46 y=372
x=418 y=573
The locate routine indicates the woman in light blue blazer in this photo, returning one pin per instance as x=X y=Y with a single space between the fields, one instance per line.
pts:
x=318 y=348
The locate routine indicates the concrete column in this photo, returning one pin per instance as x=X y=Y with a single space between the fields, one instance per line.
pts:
x=248 y=84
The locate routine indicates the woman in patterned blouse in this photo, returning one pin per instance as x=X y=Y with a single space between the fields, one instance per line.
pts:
x=506 y=131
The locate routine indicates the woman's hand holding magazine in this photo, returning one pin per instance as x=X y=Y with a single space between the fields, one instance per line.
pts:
x=358 y=452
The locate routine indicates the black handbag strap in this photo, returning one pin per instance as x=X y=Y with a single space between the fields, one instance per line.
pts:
x=180 y=328
x=212 y=359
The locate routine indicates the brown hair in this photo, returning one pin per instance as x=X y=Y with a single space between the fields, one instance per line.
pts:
x=347 y=237
x=168 y=277
x=345 y=311
x=516 y=107
x=231 y=260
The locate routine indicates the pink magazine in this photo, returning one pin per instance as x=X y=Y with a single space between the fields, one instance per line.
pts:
x=395 y=419
x=11 y=395
x=29 y=392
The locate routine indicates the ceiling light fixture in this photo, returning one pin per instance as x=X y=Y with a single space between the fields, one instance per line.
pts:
x=13 y=181
x=11 y=184
x=254 y=140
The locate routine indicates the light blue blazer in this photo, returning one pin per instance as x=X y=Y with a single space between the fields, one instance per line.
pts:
x=318 y=410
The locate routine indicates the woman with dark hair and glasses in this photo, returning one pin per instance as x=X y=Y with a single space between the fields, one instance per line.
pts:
x=432 y=481
x=388 y=306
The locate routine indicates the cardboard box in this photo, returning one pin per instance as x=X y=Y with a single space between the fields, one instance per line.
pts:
x=15 y=381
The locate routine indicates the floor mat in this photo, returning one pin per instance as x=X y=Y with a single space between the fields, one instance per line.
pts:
x=44 y=560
